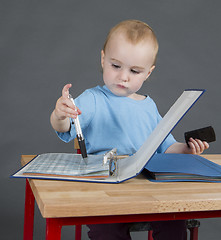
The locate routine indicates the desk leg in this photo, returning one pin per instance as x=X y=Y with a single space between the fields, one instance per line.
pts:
x=29 y=212
x=53 y=229
x=150 y=237
x=194 y=233
x=77 y=232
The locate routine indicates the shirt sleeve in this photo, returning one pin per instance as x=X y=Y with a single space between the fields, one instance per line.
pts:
x=170 y=140
x=86 y=103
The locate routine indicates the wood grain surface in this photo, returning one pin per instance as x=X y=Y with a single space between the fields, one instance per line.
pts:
x=135 y=196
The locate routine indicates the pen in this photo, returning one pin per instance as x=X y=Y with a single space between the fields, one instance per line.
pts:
x=80 y=136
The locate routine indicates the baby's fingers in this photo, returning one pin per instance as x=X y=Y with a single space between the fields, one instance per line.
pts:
x=72 y=113
x=206 y=145
x=68 y=109
x=197 y=146
x=65 y=90
x=64 y=108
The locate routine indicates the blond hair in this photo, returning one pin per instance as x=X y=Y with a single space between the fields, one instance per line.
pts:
x=135 y=31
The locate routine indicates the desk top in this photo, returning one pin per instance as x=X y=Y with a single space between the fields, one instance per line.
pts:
x=135 y=196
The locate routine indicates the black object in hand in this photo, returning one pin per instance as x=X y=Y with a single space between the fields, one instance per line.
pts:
x=206 y=134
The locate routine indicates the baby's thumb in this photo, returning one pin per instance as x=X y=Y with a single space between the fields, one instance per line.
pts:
x=65 y=90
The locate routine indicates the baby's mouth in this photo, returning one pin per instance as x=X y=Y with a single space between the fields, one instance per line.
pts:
x=121 y=86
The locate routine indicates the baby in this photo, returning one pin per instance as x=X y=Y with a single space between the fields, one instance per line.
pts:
x=117 y=116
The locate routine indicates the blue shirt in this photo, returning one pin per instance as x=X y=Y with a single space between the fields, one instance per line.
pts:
x=109 y=121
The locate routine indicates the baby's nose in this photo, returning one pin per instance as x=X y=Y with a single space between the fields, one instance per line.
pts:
x=124 y=76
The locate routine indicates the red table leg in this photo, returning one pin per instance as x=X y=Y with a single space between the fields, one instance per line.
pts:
x=78 y=232
x=53 y=229
x=150 y=237
x=194 y=233
x=29 y=212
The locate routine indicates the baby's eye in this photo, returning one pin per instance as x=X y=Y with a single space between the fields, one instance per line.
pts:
x=115 y=65
x=134 y=71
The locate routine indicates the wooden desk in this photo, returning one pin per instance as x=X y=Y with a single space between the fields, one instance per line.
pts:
x=135 y=200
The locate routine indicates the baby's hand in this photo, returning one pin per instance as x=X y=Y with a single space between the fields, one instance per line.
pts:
x=64 y=107
x=196 y=146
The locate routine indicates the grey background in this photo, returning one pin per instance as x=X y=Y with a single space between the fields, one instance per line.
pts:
x=46 y=44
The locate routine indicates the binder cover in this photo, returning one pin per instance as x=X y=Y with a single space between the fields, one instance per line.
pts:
x=182 y=167
x=131 y=166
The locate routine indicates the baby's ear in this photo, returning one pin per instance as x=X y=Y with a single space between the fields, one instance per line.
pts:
x=151 y=70
x=102 y=58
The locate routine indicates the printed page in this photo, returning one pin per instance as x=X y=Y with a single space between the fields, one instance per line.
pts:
x=67 y=165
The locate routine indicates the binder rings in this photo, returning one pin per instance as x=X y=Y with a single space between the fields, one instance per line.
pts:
x=114 y=170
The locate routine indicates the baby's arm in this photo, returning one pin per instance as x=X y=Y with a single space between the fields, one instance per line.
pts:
x=196 y=146
x=64 y=110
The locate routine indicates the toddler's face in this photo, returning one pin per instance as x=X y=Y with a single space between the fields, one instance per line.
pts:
x=126 y=66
